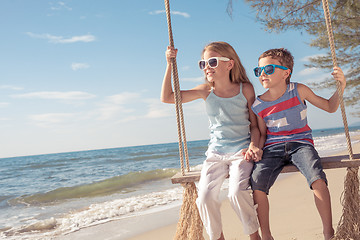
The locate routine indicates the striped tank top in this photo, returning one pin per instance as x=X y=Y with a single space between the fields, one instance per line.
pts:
x=285 y=118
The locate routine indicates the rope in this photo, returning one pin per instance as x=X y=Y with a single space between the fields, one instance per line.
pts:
x=178 y=105
x=333 y=56
x=190 y=225
x=349 y=224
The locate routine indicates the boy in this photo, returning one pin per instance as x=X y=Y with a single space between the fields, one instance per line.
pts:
x=285 y=135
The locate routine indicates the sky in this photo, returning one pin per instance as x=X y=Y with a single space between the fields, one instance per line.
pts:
x=83 y=75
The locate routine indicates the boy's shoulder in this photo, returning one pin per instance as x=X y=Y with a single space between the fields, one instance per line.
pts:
x=268 y=100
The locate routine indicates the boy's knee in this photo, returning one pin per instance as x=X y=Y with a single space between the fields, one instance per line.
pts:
x=259 y=193
x=318 y=184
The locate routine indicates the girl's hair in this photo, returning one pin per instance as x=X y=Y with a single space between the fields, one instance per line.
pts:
x=283 y=56
x=237 y=73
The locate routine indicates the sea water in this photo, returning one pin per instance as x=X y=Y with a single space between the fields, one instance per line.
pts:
x=59 y=193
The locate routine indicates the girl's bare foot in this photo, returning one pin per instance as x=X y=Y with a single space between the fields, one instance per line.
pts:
x=221 y=237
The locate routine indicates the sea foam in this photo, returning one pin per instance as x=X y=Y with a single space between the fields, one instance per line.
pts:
x=96 y=214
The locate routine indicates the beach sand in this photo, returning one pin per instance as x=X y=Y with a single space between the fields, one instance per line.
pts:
x=293 y=215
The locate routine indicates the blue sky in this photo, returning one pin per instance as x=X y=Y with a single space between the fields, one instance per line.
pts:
x=80 y=75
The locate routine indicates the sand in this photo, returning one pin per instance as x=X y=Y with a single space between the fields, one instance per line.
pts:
x=293 y=215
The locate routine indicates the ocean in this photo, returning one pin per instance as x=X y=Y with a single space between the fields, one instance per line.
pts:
x=54 y=194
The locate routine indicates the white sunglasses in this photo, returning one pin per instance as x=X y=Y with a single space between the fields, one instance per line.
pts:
x=213 y=62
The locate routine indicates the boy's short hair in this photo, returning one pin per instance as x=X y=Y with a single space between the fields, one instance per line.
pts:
x=283 y=56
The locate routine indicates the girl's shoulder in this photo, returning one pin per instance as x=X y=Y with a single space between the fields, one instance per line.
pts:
x=203 y=90
x=248 y=90
x=203 y=86
x=247 y=86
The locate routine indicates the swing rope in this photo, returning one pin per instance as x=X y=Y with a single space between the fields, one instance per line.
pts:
x=334 y=60
x=190 y=225
x=349 y=223
x=178 y=104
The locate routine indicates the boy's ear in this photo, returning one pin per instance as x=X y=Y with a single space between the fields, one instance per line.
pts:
x=287 y=73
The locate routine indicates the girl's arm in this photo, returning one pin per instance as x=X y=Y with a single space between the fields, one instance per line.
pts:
x=253 y=152
x=329 y=105
x=167 y=94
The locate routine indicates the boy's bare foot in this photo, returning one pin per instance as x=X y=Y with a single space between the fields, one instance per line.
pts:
x=255 y=236
x=330 y=235
x=267 y=238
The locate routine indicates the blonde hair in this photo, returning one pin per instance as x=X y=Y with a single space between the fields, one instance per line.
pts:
x=237 y=73
x=283 y=56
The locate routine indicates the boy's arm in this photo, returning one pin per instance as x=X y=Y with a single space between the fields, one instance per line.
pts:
x=254 y=152
x=329 y=105
x=263 y=130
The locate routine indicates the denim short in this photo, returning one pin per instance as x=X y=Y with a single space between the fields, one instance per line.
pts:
x=275 y=157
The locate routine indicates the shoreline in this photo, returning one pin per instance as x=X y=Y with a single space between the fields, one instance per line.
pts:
x=298 y=211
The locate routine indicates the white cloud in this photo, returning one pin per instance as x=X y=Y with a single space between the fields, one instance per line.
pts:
x=184 y=14
x=195 y=79
x=3 y=104
x=60 y=6
x=72 y=95
x=185 y=68
x=78 y=66
x=318 y=78
x=10 y=87
x=157 y=109
x=61 y=39
x=307 y=58
x=51 y=119
x=122 y=97
x=109 y=111
x=308 y=71
x=113 y=105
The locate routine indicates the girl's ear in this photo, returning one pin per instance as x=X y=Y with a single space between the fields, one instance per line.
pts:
x=230 y=64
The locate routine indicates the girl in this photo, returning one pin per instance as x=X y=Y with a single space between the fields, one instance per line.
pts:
x=228 y=96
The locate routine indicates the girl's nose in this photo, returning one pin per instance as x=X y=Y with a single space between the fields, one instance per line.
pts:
x=206 y=66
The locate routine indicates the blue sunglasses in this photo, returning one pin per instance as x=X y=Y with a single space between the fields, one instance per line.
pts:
x=268 y=69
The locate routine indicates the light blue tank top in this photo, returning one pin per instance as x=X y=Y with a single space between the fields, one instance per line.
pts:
x=229 y=123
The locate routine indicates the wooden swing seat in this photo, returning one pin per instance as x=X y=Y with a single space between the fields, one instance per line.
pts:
x=341 y=161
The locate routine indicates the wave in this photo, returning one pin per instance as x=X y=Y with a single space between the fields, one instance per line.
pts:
x=95 y=214
x=152 y=156
x=119 y=184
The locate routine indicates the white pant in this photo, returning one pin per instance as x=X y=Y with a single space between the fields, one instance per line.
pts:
x=214 y=171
